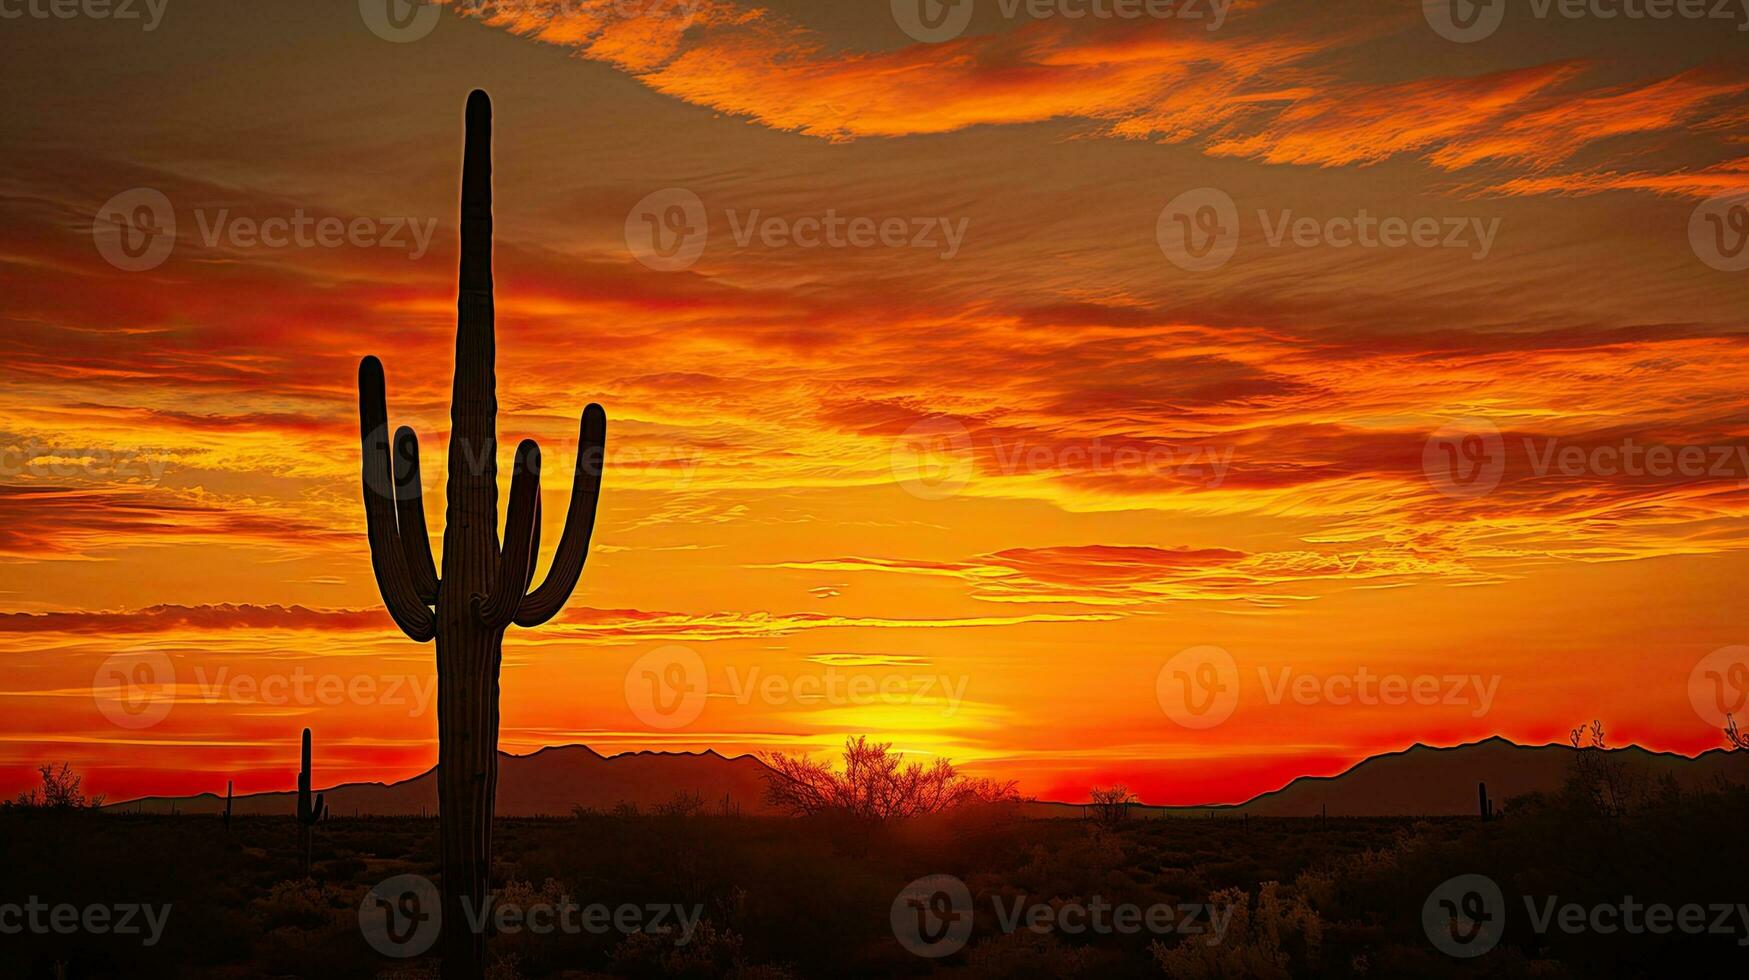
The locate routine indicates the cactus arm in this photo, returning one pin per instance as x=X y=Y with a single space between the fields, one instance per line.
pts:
x=534 y=552
x=388 y=559
x=410 y=515
x=520 y=543
x=321 y=808
x=545 y=602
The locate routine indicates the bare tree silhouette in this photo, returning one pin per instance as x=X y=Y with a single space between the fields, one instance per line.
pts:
x=485 y=588
x=1111 y=804
x=876 y=784
x=60 y=790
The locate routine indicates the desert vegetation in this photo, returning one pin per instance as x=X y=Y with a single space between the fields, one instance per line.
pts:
x=60 y=791
x=812 y=895
x=876 y=783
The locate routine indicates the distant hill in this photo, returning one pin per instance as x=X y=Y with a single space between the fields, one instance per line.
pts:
x=1418 y=781
x=1426 y=781
x=545 y=783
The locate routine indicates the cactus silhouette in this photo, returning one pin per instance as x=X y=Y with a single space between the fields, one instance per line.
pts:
x=1482 y=800
x=484 y=588
x=308 y=813
x=227 y=804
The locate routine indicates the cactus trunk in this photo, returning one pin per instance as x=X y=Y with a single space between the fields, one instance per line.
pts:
x=227 y=804
x=1482 y=800
x=484 y=587
x=308 y=812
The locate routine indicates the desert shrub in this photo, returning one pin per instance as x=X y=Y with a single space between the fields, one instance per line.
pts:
x=876 y=784
x=1026 y=954
x=708 y=952
x=60 y=791
x=1280 y=937
x=1111 y=804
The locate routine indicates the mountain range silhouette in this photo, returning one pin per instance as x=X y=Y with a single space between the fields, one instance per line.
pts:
x=1421 y=780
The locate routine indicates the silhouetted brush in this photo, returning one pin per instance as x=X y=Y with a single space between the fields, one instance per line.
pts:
x=308 y=813
x=485 y=587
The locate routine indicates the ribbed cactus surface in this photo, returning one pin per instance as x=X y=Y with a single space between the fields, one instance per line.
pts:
x=485 y=585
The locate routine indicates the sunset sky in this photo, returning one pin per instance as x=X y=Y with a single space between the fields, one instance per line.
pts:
x=1003 y=465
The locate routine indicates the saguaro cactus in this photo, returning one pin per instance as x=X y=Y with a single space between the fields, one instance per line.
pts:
x=227 y=804
x=308 y=813
x=1482 y=800
x=484 y=587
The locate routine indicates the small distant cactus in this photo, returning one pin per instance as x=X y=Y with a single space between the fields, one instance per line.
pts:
x=227 y=804
x=1482 y=800
x=308 y=813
